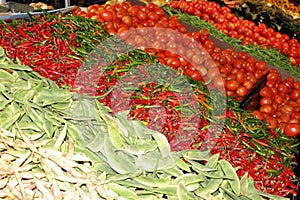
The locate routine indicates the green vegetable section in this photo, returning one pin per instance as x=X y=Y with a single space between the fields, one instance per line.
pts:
x=45 y=140
x=282 y=62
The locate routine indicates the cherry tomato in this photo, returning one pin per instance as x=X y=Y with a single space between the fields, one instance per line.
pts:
x=266 y=92
x=295 y=95
x=292 y=130
x=242 y=91
x=272 y=122
x=232 y=85
x=266 y=101
x=257 y=114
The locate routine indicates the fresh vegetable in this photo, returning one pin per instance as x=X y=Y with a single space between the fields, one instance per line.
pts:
x=243 y=34
x=262 y=142
x=121 y=159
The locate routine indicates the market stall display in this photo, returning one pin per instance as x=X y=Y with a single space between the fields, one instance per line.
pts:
x=56 y=46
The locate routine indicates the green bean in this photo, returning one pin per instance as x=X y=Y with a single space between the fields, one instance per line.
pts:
x=188 y=178
x=182 y=165
x=122 y=191
x=230 y=172
x=153 y=182
x=182 y=193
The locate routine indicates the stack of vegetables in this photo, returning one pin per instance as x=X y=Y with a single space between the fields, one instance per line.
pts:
x=56 y=47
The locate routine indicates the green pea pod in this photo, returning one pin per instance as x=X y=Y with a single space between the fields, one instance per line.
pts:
x=271 y=197
x=140 y=149
x=230 y=172
x=168 y=190
x=202 y=168
x=114 y=132
x=182 y=165
x=244 y=184
x=6 y=77
x=28 y=125
x=122 y=191
x=213 y=161
x=212 y=185
x=181 y=192
x=192 y=187
x=48 y=128
x=134 y=184
x=162 y=144
x=62 y=106
x=51 y=96
x=219 y=196
x=2 y=53
x=230 y=194
x=188 y=179
x=2 y=60
x=8 y=122
x=196 y=155
x=120 y=162
x=174 y=171
x=17 y=86
x=2 y=87
x=153 y=161
x=53 y=119
x=103 y=167
x=153 y=182
x=34 y=115
x=252 y=191
x=4 y=103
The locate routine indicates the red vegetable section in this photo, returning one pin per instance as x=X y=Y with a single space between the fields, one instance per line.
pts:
x=247 y=31
x=265 y=154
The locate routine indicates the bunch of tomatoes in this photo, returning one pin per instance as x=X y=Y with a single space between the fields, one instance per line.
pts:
x=280 y=104
x=247 y=31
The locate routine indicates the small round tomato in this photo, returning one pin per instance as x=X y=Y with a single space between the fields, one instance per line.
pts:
x=271 y=122
x=266 y=92
x=242 y=91
x=265 y=101
x=268 y=109
x=292 y=130
x=232 y=85
x=257 y=114
x=106 y=15
x=295 y=95
x=173 y=62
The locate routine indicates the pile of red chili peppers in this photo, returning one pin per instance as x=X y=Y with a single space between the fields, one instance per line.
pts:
x=54 y=46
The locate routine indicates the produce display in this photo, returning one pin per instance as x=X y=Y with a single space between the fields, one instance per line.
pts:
x=165 y=67
x=57 y=158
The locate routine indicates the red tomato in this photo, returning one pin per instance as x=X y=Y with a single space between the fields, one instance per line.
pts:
x=266 y=92
x=268 y=109
x=295 y=95
x=141 y=15
x=173 y=62
x=257 y=114
x=106 y=15
x=265 y=101
x=242 y=91
x=272 y=122
x=127 y=20
x=232 y=85
x=292 y=130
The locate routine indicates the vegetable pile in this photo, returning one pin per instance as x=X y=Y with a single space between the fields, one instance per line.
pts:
x=123 y=159
x=241 y=33
x=123 y=84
